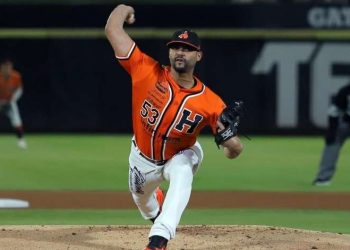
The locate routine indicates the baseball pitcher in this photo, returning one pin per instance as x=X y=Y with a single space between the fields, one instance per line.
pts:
x=170 y=106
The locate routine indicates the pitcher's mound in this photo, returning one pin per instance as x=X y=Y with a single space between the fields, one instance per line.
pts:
x=188 y=237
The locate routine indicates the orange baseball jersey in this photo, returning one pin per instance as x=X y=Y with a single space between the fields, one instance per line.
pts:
x=8 y=86
x=166 y=117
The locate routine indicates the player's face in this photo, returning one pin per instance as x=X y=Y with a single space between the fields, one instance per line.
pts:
x=183 y=58
x=6 y=68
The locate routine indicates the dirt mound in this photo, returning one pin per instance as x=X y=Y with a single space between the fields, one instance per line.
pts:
x=188 y=237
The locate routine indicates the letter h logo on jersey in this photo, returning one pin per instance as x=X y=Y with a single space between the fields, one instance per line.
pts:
x=192 y=124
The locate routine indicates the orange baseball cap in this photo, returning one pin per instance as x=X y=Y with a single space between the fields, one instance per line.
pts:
x=186 y=37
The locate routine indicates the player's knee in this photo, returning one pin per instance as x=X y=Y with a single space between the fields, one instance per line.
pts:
x=185 y=169
x=182 y=160
x=192 y=156
x=198 y=151
x=182 y=164
x=189 y=156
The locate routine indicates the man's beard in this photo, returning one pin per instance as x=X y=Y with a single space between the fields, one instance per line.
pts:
x=180 y=69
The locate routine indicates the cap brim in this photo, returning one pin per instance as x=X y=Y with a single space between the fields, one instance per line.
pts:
x=185 y=43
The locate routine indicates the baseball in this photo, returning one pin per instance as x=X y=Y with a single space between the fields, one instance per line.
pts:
x=130 y=19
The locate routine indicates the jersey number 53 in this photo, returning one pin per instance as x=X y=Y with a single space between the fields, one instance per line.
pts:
x=149 y=112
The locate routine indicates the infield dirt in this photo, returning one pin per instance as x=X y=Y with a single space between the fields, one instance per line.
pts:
x=202 y=237
x=187 y=238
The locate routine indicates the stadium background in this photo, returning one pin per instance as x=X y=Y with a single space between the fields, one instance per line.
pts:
x=284 y=60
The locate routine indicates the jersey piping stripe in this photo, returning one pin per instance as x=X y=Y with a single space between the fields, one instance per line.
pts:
x=160 y=120
x=176 y=117
x=129 y=53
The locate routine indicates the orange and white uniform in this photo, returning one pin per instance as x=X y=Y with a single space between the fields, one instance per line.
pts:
x=10 y=92
x=10 y=85
x=166 y=117
x=166 y=122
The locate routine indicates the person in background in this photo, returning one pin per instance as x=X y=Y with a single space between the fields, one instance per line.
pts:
x=337 y=132
x=10 y=92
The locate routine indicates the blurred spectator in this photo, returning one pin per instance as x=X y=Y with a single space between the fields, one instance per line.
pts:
x=338 y=130
x=10 y=91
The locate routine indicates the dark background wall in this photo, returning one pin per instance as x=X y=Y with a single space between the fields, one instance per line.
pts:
x=76 y=85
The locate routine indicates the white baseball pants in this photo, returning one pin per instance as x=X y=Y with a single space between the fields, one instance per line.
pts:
x=12 y=112
x=145 y=177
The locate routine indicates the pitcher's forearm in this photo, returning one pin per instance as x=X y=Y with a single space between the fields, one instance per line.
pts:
x=114 y=29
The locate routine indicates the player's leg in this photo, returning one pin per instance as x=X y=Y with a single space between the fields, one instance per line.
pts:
x=330 y=156
x=144 y=178
x=179 y=171
x=16 y=122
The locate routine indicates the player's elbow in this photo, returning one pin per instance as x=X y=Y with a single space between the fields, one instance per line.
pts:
x=108 y=29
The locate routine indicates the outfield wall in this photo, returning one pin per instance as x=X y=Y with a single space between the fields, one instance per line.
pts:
x=284 y=61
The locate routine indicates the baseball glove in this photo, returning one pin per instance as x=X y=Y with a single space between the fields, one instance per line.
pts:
x=230 y=118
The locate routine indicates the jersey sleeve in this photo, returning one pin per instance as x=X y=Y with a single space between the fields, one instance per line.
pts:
x=137 y=63
x=16 y=81
x=218 y=108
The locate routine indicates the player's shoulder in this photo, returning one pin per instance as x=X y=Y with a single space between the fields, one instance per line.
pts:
x=144 y=57
x=210 y=92
x=16 y=74
x=135 y=52
x=211 y=100
x=344 y=91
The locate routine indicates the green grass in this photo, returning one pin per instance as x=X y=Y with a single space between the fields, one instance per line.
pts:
x=100 y=162
x=318 y=220
x=65 y=162
x=271 y=164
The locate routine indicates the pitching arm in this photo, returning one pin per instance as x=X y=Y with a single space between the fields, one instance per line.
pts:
x=114 y=29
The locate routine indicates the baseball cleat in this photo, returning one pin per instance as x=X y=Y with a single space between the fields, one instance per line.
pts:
x=155 y=248
x=157 y=243
x=22 y=144
x=319 y=182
